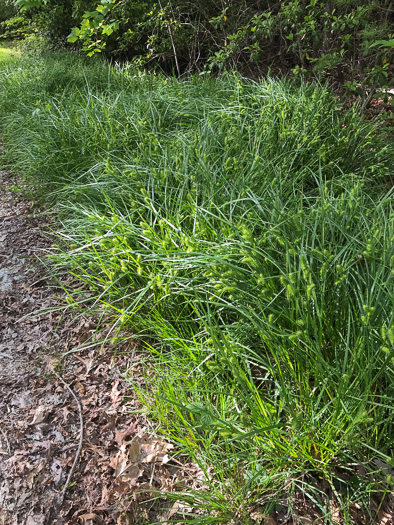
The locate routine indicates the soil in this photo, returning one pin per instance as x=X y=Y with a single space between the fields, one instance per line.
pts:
x=39 y=429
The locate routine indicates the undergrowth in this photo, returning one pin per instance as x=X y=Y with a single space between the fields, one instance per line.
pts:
x=243 y=231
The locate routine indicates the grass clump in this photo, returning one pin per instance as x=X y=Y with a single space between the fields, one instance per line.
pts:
x=244 y=231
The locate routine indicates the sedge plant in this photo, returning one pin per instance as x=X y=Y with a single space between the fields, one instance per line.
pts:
x=243 y=231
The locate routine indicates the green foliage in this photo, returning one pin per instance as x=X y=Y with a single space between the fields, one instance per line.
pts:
x=30 y=4
x=9 y=20
x=244 y=232
x=342 y=41
x=15 y=28
x=50 y=20
x=7 y=9
x=384 y=43
x=97 y=24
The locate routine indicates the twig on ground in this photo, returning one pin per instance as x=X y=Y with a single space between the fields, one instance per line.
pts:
x=80 y=435
x=6 y=441
x=78 y=453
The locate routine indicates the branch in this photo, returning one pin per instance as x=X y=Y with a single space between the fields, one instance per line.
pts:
x=59 y=504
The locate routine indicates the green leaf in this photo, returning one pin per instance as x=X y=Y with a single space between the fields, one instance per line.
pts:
x=206 y=419
x=383 y=43
x=206 y=416
x=74 y=35
x=259 y=474
x=30 y=4
x=195 y=408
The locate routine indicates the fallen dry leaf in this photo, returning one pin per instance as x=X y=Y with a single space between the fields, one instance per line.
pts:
x=57 y=473
x=90 y=519
x=39 y=415
x=257 y=514
x=154 y=449
x=115 y=393
x=40 y=427
x=134 y=451
x=120 y=436
x=131 y=473
x=167 y=514
x=336 y=515
x=119 y=462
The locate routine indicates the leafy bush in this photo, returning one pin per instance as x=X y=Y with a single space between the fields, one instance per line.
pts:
x=10 y=23
x=308 y=37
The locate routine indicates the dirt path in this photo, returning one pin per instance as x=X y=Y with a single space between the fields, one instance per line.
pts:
x=40 y=421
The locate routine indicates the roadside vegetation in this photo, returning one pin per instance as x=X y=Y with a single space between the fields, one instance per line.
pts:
x=7 y=54
x=243 y=233
x=347 y=42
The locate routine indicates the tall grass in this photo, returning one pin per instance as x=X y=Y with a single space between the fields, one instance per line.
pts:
x=244 y=232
